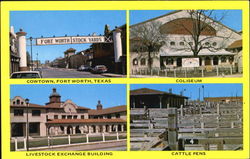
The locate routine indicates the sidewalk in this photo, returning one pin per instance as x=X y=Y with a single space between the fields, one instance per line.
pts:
x=113 y=75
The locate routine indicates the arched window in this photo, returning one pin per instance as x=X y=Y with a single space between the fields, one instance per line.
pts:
x=181 y=43
x=214 y=44
x=143 y=61
x=172 y=43
x=17 y=101
x=135 y=62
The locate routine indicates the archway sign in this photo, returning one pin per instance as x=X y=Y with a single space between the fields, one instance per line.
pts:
x=73 y=40
x=69 y=40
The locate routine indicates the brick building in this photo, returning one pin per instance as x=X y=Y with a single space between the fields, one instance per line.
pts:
x=64 y=117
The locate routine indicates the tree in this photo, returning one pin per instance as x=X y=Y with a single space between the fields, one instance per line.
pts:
x=201 y=26
x=147 y=37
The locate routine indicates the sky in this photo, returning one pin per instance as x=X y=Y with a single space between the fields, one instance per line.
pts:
x=82 y=95
x=59 y=23
x=232 y=19
x=192 y=90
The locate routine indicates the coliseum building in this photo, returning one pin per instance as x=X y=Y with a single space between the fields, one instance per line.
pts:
x=175 y=48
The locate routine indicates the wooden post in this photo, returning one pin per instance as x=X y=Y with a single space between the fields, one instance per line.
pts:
x=103 y=137
x=231 y=70
x=24 y=144
x=172 y=129
x=48 y=142
x=217 y=70
x=15 y=144
x=117 y=136
x=69 y=139
x=87 y=138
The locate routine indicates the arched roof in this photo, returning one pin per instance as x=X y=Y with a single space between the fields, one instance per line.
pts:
x=183 y=26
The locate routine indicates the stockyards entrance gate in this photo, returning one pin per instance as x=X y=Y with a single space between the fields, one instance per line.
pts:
x=68 y=40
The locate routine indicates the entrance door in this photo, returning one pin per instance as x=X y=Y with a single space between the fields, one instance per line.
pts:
x=179 y=62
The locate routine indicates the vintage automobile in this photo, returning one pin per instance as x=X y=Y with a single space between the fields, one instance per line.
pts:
x=99 y=69
x=26 y=74
x=84 y=68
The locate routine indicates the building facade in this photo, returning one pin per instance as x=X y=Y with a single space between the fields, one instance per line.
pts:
x=64 y=117
x=176 y=44
x=105 y=53
x=149 y=98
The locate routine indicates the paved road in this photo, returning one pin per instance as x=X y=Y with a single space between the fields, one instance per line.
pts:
x=67 y=73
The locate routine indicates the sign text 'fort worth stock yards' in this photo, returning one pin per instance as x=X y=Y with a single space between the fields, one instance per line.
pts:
x=71 y=40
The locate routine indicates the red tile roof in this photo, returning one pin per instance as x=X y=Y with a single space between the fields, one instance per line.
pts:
x=61 y=121
x=117 y=109
x=235 y=44
x=30 y=106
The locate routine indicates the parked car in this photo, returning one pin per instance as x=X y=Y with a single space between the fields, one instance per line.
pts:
x=26 y=74
x=84 y=68
x=99 y=69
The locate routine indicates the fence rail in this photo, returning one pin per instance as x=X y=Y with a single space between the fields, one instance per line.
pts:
x=50 y=141
x=188 y=72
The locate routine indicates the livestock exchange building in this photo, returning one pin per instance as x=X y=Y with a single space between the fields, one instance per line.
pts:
x=64 y=117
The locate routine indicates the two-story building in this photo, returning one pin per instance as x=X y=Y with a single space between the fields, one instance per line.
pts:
x=64 y=117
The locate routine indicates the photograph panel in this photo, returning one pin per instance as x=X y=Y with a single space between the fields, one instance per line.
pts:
x=68 y=117
x=186 y=43
x=170 y=117
x=68 y=44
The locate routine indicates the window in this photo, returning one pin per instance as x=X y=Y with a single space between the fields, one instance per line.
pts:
x=223 y=59
x=214 y=44
x=36 y=112
x=181 y=43
x=109 y=116
x=82 y=116
x=135 y=62
x=143 y=61
x=21 y=103
x=172 y=43
x=63 y=116
x=169 y=61
x=69 y=116
x=55 y=116
x=18 y=112
x=75 y=116
x=117 y=116
x=18 y=102
x=34 y=127
x=207 y=43
x=14 y=103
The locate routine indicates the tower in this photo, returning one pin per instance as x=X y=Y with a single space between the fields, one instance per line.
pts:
x=54 y=97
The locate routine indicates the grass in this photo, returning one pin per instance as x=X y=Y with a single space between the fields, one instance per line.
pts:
x=63 y=141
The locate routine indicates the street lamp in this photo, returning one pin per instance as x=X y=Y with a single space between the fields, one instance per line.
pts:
x=27 y=124
x=31 y=53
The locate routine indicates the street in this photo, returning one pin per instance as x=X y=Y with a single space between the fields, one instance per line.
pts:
x=50 y=72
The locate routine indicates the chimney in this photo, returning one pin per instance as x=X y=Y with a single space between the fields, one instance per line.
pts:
x=99 y=105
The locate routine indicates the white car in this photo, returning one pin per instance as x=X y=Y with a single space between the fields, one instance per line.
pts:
x=26 y=74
